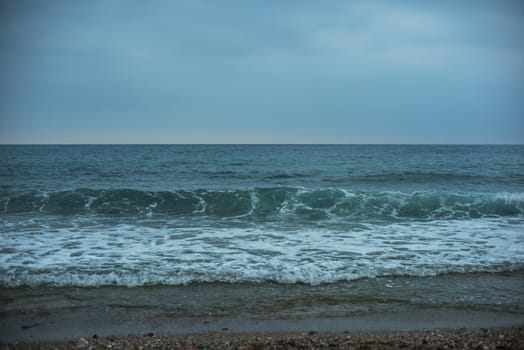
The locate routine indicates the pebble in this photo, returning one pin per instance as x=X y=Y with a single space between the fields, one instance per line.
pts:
x=82 y=342
x=500 y=338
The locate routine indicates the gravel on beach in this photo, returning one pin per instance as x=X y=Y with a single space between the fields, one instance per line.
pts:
x=485 y=338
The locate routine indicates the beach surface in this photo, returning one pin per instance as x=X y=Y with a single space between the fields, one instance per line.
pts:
x=493 y=338
x=417 y=328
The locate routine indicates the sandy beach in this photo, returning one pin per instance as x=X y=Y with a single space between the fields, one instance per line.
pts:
x=413 y=329
x=493 y=338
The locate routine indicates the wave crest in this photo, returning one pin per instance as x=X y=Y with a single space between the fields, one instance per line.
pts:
x=269 y=203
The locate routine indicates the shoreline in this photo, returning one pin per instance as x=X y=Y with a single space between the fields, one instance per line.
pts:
x=51 y=326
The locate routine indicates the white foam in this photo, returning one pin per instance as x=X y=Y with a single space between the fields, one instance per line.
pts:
x=83 y=254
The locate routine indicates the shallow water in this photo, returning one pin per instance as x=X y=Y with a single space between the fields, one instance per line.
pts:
x=477 y=291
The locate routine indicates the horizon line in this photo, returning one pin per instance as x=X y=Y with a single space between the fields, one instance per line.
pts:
x=261 y=144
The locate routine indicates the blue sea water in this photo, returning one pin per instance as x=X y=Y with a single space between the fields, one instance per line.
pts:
x=138 y=215
x=271 y=231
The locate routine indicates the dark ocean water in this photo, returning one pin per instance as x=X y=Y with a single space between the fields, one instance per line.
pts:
x=321 y=218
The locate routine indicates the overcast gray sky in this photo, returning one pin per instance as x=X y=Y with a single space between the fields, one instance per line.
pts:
x=261 y=71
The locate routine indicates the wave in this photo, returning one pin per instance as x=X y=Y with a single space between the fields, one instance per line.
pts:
x=305 y=275
x=80 y=251
x=421 y=177
x=268 y=203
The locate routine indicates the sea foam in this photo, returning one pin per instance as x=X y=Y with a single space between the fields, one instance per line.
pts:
x=130 y=255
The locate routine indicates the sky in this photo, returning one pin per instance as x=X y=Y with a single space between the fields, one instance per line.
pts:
x=270 y=71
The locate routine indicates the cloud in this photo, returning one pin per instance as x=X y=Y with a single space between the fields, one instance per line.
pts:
x=304 y=68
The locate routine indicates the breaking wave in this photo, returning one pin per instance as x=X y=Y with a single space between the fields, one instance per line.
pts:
x=268 y=203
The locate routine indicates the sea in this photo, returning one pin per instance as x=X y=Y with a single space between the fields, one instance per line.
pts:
x=280 y=230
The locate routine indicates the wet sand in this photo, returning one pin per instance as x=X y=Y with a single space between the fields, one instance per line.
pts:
x=200 y=317
x=424 y=328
